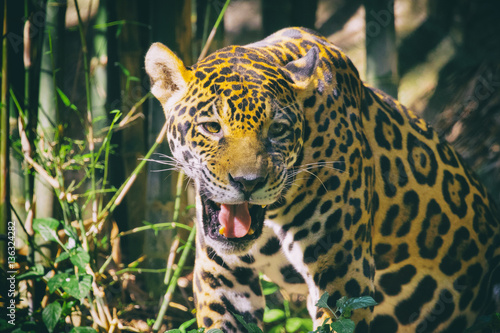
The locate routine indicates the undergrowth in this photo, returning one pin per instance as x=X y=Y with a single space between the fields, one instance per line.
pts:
x=340 y=320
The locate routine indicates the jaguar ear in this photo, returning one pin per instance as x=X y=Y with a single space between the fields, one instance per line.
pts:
x=302 y=70
x=167 y=72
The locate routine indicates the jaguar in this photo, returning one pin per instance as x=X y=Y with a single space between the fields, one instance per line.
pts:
x=308 y=176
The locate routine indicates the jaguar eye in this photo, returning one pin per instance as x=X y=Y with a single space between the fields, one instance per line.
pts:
x=211 y=127
x=277 y=129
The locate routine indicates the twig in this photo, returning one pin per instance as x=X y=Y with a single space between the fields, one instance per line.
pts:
x=166 y=225
x=214 y=30
x=173 y=282
x=175 y=244
x=116 y=200
x=51 y=180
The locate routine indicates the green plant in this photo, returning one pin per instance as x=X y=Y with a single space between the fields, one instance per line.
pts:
x=340 y=322
x=282 y=318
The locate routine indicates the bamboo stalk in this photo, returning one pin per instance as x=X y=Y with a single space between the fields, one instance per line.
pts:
x=214 y=30
x=175 y=277
x=172 y=282
x=4 y=148
x=120 y=193
x=175 y=244
x=90 y=125
x=48 y=111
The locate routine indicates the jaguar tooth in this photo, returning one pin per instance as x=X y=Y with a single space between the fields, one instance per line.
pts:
x=263 y=206
x=221 y=230
x=250 y=232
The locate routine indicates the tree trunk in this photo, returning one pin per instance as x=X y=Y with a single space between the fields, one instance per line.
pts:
x=48 y=113
x=19 y=184
x=4 y=139
x=171 y=25
x=381 y=55
x=133 y=145
x=99 y=63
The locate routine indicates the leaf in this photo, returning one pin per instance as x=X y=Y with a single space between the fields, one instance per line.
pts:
x=323 y=302
x=341 y=303
x=215 y=330
x=293 y=324
x=360 y=302
x=56 y=281
x=78 y=287
x=268 y=287
x=250 y=327
x=82 y=330
x=343 y=325
x=272 y=315
x=47 y=228
x=307 y=324
x=51 y=315
x=35 y=271
x=187 y=324
x=324 y=328
x=63 y=256
x=176 y=330
x=280 y=328
x=67 y=305
x=70 y=231
x=66 y=100
x=80 y=258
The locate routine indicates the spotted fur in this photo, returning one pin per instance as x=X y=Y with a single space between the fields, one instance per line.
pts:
x=362 y=196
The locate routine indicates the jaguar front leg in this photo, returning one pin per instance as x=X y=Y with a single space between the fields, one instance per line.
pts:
x=221 y=291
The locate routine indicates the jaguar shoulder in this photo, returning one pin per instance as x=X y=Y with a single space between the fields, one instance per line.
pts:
x=305 y=174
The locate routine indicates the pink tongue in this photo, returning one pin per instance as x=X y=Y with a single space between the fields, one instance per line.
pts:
x=235 y=219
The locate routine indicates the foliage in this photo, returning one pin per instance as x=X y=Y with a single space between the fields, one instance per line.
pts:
x=340 y=322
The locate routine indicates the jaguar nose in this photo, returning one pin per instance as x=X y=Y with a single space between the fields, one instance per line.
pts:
x=248 y=183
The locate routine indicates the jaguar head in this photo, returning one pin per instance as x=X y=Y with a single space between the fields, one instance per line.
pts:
x=235 y=126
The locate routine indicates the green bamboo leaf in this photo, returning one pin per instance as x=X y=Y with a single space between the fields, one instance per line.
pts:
x=272 y=315
x=343 y=325
x=56 y=281
x=215 y=330
x=51 y=315
x=46 y=227
x=66 y=100
x=80 y=258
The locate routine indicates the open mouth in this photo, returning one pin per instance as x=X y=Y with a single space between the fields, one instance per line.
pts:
x=234 y=223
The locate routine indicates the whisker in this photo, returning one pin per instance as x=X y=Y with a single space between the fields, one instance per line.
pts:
x=167 y=169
